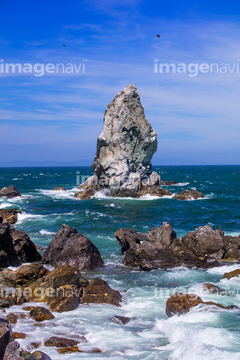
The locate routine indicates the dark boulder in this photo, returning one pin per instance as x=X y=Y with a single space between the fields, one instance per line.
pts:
x=25 y=249
x=167 y=182
x=8 y=256
x=129 y=239
x=164 y=237
x=189 y=195
x=9 y=192
x=59 y=188
x=154 y=191
x=69 y=247
x=206 y=242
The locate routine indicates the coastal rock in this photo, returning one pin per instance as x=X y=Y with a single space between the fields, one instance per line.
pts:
x=39 y=355
x=158 y=248
x=68 y=350
x=59 y=188
x=98 y=291
x=231 y=274
x=167 y=182
x=125 y=147
x=232 y=247
x=5 y=336
x=179 y=304
x=15 y=246
x=60 y=342
x=26 y=274
x=126 y=144
x=9 y=192
x=8 y=256
x=213 y=289
x=25 y=249
x=189 y=195
x=11 y=215
x=69 y=247
x=13 y=351
x=206 y=242
x=40 y=313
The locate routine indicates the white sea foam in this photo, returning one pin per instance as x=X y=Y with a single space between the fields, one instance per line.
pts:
x=192 y=337
x=24 y=216
x=223 y=269
x=46 y=232
x=60 y=194
x=104 y=194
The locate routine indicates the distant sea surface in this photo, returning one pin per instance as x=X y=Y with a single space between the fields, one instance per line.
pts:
x=151 y=335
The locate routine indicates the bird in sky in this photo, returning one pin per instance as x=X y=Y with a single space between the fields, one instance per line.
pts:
x=158 y=36
x=63 y=45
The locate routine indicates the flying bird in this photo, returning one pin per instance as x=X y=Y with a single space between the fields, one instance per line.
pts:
x=63 y=45
x=158 y=35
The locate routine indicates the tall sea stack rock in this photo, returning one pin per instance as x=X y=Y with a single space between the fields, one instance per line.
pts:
x=124 y=152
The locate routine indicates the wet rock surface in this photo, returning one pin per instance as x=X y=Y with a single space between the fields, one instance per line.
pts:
x=70 y=247
x=160 y=247
x=179 y=304
x=9 y=192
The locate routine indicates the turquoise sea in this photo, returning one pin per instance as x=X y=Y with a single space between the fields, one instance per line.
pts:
x=212 y=334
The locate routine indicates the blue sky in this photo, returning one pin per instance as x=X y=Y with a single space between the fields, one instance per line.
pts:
x=58 y=116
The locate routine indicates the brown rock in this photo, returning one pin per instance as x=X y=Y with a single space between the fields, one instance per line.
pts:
x=9 y=192
x=98 y=291
x=69 y=350
x=12 y=318
x=59 y=188
x=66 y=299
x=181 y=303
x=40 y=313
x=154 y=191
x=33 y=345
x=10 y=215
x=69 y=247
x=17 y=335
x=231 y=274
x=60 y=342
x=189 y=195
x=85 y=194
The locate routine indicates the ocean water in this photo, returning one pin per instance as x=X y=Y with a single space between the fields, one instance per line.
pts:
x=200 y=334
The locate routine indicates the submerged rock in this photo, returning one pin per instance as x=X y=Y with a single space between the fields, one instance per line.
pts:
x=69 y=247
x=59 y=188
x=9 y=192
x=189 y=195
